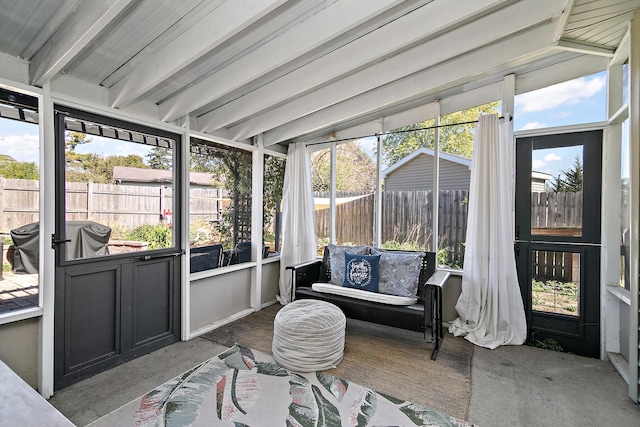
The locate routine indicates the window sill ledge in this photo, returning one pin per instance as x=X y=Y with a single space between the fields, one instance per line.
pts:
x=18 y=315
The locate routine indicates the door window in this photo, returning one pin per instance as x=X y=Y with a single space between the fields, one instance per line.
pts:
x=119 y=190
x=555 y=282
x=556 y=191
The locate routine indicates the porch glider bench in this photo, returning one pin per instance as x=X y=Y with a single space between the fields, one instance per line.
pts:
x=408 y=295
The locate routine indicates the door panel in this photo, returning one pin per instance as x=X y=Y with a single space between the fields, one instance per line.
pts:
x=113 y=305
x=94 y=294
x=558 y=192
x=152 y=300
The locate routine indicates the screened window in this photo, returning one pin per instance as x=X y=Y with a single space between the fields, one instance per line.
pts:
x=219 y=205
x=19 y=199
x=273 y=182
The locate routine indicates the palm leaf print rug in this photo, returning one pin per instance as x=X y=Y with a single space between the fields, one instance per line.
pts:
x=243 y=387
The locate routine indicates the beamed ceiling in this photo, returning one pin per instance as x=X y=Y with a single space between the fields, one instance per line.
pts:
x=306 y=69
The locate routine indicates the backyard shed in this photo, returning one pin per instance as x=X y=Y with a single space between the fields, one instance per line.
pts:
x=415 y=172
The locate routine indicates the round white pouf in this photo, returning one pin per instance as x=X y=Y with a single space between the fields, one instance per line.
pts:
x=308 y=335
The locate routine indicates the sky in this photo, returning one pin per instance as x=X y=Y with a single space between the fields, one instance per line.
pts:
x=581 y=100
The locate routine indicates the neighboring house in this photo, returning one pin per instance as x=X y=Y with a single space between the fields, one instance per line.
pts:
x=415 y=172
x=125 y=175
x=539 y=181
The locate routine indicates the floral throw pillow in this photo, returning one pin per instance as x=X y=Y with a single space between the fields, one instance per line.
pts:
x=336 y=260
x=361 y=272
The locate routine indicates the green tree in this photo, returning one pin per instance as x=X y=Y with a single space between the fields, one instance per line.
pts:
x=19 y=170
x=355 y=171
x=93 y=167
x=455 y=139
x=232 y=166
x=73 y=139
x=159 y=158
x=572 y=181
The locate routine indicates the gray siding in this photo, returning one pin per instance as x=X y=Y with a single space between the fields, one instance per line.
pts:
x=538 y=185
x=417 y=174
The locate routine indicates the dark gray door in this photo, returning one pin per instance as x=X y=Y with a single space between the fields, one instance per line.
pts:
x=558 y=193
x=117 y=261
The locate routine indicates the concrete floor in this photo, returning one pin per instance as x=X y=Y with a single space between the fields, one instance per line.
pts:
x=527 y=386
x=511 y=386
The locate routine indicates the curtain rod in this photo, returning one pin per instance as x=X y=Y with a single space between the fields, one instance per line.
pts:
x=402 y=131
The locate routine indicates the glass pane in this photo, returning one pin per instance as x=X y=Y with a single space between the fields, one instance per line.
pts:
x=118 y=190
x=407 y=200
x=355 y=186
x=625 y=83
x=555 y=282
x=220 y=205
x=625 y=223
x=273 y=183
x=20 y=201
x=556 y=191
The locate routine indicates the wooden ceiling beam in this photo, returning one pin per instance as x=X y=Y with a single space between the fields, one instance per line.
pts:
x=226 y=21
x=325 y=26
x=431 y=19
x=465 y=68
x=81 y=28
x=474 y=35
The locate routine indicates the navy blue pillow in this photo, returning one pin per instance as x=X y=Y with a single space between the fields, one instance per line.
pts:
x=362 y=272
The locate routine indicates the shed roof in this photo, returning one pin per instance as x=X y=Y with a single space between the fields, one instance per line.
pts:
x=141 y=175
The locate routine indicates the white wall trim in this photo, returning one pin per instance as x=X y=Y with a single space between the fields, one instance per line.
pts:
x=223 y=141
x=47 y=255
x=215 y=325
x=582 y=127
x=185 y=214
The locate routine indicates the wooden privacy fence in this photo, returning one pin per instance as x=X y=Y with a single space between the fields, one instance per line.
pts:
x=556 y=210
x=127 y=206
x=354 y=220
x=406 y=219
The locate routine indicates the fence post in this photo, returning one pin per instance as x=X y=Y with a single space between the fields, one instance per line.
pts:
x=3 y=180
x=89 y=200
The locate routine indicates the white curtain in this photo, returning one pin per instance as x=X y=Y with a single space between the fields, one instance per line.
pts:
x=298 y=217
x=490 y=308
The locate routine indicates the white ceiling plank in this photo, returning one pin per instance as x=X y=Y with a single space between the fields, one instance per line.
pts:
x=564 y=18
x=571 y=69
x=418 y=25
x=390 y=122
x=472 y=98
x=321 y=28
x=78 y=31
x=411 y=115
x=228 y=20
x=455 y=71
x=464 y=39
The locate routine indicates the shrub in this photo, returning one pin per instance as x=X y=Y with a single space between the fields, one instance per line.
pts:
x=158 y=236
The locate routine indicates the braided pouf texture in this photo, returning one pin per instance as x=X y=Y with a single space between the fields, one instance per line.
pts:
x=308 y=336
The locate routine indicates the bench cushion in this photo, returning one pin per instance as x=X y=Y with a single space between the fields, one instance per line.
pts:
x=329 y=288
